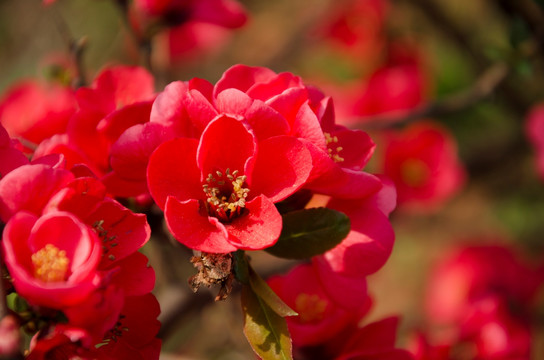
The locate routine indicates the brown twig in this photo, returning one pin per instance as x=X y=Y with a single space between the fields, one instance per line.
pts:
x=482 y=88
x=462 y=38
x=143 y=42
x=76 y=47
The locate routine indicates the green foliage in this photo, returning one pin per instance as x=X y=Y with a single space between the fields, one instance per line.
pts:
x=310 y=232
x=265 y=330
x=261 y=289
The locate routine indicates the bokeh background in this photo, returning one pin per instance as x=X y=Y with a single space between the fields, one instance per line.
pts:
x=458 y=46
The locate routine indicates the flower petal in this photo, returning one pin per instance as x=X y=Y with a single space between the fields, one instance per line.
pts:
x=226 y=143
x=172 y=171
x=194 y=228
x=282 y=166
x=258 y=229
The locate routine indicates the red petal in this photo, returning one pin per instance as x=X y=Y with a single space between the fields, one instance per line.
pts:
x=10 y=159
x=172 y=171
x=113 y=125
x=347 y=292
x=288 y=103
x=357 y=148
x=367 y=247
x=134 y=276
x=129 y=155
x=264 y=120
x=194 y=228
x=345 y=183
x=242 y=77
x=29 y=187
x=225 y=144
x=122 y=232
x=258 y=229
x=282 y=166
x=127 y=84
x=274 y=86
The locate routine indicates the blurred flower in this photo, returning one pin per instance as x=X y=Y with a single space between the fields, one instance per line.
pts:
x=186 y=27
x=34 y=111
x=481 y=302
x=326 y=329
x=422 y=162
x=534 y=128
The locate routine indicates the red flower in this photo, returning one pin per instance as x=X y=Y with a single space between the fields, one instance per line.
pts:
x=35 y=111
x=119 y=98
x=320 y=318
x=325 y=328
x=218 y=193
x=422 y=161
x=53 y=259
x=10 y=156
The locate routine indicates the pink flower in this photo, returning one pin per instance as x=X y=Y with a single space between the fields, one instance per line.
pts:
x=422 y=161
x=534 y=128
x=327 y=329
x=53 y=259
x=190 y=27
x=218 y=193
x=320 y=318
x=480 y=304
x=35 y=111
x=120 y=97
x=356 y=27
x=10 y=156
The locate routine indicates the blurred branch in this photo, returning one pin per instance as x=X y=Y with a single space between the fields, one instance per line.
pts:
x=482 y=88
x=462 y=37
x=76 y=47
x=142 y=42
x=3 y=304
x=531 y=13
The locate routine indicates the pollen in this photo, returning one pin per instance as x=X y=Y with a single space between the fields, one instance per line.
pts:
x=310 y=307
x=50 y=264
x=225 y=194
x=333 y=150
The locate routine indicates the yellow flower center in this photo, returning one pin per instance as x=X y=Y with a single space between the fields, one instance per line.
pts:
x=50 y=264
x=310 y=307
x=332 y=149
x=225 y=194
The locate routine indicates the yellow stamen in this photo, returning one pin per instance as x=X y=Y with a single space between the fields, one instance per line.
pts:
x=50 y=264
x=333 y=151
x=310 y=307
x=226 y=201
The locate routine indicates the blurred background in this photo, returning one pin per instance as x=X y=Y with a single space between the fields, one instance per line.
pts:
x=471 y=71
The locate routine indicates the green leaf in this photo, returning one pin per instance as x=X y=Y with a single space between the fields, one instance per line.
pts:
x=310 y=232
x=265 y=330
x=297 y=201
x=261 y=288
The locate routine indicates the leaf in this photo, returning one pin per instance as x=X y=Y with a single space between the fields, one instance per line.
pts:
x=265 y=330
x=297 y=201
x=261 y=288
x=310 y=232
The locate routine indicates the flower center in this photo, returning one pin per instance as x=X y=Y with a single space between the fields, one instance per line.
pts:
x=414 y=172
x=310 y=307
x=225 y=194
x=332 y=149
x=50 y=264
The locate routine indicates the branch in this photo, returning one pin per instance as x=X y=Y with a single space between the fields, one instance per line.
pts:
x=76 y=47
x=482 y=88
x=462 y=37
